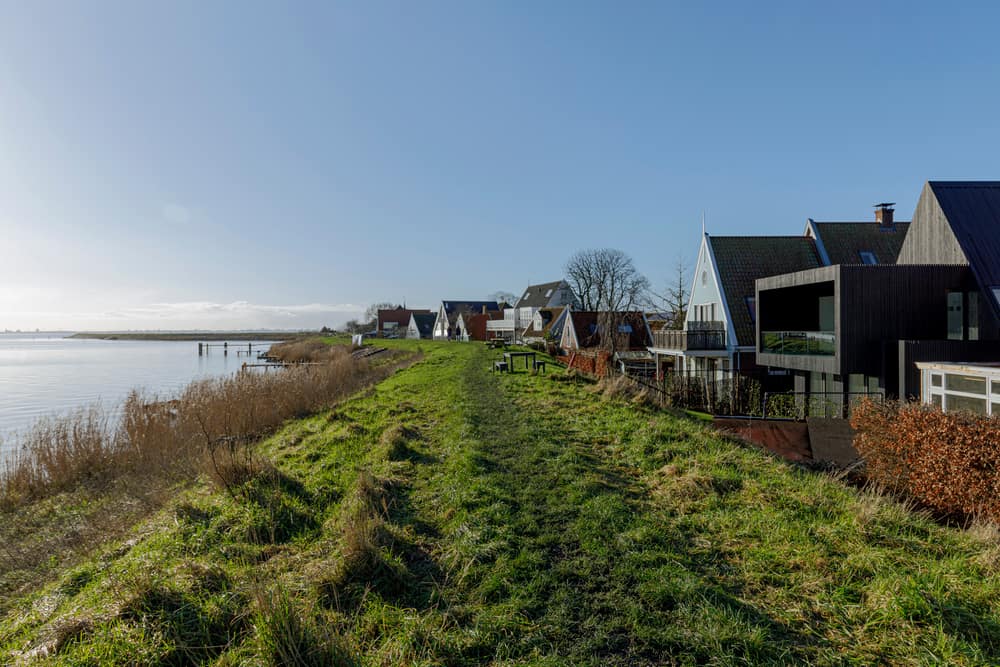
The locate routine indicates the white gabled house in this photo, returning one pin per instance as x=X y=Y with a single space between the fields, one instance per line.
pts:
x=516 y=320
x=719 y=334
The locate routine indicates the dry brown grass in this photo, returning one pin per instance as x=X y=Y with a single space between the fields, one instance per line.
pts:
x=305 y=351
x=122 y=461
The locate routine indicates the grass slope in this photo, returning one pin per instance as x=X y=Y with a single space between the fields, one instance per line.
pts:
x=455 y=517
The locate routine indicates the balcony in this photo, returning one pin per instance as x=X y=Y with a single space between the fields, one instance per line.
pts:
x=809 y=343
x=698 y=336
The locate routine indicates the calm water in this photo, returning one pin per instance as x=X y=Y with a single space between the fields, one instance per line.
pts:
x=46 y=374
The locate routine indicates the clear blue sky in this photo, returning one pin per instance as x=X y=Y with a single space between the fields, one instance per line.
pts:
x=186 y=164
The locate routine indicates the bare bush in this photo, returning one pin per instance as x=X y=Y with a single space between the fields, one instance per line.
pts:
x=205 y=428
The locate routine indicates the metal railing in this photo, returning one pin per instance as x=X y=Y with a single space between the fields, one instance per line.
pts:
x=691 y=338
x=800 y=404
x=799 y=342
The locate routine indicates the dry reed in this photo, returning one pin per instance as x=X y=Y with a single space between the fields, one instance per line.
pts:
x=147 y=437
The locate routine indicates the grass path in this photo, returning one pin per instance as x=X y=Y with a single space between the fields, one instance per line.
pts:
x=451 y=516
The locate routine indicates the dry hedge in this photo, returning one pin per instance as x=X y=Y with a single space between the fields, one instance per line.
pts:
x=948 y=461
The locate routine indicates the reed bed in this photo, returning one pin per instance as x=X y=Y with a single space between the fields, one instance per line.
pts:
x=150 y=437
x=298 y=351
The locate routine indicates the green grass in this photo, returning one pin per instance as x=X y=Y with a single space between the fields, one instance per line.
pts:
x=451 y=516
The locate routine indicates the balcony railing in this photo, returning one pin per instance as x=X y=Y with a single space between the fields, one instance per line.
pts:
x=799 y=342
x=690 y=339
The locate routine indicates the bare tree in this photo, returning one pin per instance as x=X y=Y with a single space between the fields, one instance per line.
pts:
x=372 y=313
x=605 y=279
x=500 y=296
x=675 y=298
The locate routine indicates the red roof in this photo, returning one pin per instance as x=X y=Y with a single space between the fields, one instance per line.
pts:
x=588 y=331
x=476 y=324
x=401 y=316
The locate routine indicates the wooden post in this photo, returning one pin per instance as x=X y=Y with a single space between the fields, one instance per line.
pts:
x=199 y=349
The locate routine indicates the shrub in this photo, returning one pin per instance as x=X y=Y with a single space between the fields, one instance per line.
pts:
x=949 y=461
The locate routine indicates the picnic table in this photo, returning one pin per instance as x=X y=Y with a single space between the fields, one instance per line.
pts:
x=509 y=357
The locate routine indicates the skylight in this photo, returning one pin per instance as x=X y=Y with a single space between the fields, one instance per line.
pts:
x=868 y=257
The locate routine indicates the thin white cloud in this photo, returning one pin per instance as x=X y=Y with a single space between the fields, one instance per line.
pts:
x=191 y=315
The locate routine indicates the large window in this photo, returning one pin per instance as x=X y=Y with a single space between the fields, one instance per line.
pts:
x=973 y=389
x=956 y=316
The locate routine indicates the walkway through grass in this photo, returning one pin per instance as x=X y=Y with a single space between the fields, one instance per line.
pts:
x=456 y=517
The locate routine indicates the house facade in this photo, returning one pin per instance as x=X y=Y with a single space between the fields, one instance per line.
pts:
x=446 y=320
x=717 y=339
x=393 y=322
x=585 y=344
x=860 y=328
x=421 y=325
x=520 y=317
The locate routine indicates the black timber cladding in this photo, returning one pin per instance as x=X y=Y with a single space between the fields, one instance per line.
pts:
x=973 y=212
x=875 y=306
x=741 y=260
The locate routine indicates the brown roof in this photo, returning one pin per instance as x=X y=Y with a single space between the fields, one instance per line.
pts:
x=845 y=241
x=549 y=317
x=588 y=332
x=476 y=323
x=741 y=260
x=401 y=316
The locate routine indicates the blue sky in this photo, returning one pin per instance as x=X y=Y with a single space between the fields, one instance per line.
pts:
x=215 y=165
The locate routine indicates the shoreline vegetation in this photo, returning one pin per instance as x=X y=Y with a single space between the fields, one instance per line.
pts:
x=210 y=336
x=74 y=481
x=446 y=515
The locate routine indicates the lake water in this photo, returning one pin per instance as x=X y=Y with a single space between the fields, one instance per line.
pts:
x=47 y=374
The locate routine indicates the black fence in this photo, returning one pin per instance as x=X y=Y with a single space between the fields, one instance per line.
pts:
x=741 y=395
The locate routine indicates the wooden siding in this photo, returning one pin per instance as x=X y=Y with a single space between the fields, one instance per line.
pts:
x=930 y=239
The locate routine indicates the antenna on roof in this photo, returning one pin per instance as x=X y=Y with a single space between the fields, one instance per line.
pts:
x=703 y=223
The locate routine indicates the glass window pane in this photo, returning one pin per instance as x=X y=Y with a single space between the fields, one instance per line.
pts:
x=977 y=405
x=996 y=387
x=996 y=409
x=935 y=380
x=973 y=315
x=967 y=383
x=936 y=399
x=955 y=316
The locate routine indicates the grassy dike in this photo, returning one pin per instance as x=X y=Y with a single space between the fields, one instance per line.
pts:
x=454 y=517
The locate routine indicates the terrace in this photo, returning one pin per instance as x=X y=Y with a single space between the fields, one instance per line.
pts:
x=697 y=336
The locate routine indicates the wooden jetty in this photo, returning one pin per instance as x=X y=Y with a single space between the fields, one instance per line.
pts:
x=241 y=349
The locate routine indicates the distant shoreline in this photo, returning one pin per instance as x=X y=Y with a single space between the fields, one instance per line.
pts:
x=205 y=336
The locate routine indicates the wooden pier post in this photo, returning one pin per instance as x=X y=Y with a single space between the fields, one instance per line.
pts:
x=199 y=349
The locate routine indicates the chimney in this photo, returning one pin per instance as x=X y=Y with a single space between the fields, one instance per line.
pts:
x=883 y=215
x=484 y=309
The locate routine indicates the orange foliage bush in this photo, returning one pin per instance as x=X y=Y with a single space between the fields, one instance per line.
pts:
x=949 y=461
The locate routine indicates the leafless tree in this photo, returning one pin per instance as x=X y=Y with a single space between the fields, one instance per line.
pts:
x=502 y=296
x=372 y=313
x=606 y=279
x=675 y=298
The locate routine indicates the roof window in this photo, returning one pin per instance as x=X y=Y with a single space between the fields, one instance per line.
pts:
x=548 y=294
x=868 y=257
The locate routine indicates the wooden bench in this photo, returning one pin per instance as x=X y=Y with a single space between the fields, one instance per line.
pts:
x=500 y=366
x=539 y=366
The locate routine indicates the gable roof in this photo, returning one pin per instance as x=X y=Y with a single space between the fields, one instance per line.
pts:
x=741 y=260
x=588 y=332
x=399 y=315
x=843 y=242
x=452 y=309
x=475 y=323
x=538 y=296
x=973 y=212
x=425 y=323
x=552 y=319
